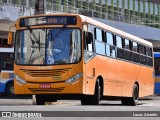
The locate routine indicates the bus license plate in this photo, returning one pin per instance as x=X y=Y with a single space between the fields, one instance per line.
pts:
x=45 y=86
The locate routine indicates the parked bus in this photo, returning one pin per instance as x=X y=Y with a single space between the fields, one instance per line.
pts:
x=157 y=73
x=70 y=56
x=6 y=71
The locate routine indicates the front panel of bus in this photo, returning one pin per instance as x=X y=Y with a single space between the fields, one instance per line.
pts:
x=157 y=72
x=48 y=55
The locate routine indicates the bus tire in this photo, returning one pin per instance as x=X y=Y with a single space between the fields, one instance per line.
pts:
x=39 y=100
x=135 y=95
x=133 y=101
x=97 y=94
x=10 y=89
x=93 y=99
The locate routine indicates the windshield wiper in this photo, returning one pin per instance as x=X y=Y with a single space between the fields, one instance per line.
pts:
x=34 y=41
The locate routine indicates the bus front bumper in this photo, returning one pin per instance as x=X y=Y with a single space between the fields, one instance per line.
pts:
x=50 y=88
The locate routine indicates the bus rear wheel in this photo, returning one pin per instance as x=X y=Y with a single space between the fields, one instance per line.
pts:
x=133 y=101
x=10 y=89
x=93 y=99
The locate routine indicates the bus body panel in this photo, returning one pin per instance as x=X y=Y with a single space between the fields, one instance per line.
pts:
x=118 y=76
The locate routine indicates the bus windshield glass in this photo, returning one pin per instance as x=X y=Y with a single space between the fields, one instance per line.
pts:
x=48 y=46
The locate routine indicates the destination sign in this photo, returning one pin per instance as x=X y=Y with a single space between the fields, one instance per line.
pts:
x=48 y=20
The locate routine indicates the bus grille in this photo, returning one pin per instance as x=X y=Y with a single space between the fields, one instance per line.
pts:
x=46 y=73
x=47 y=90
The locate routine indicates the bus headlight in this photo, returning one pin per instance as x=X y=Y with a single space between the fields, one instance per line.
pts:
x=74 y=78
x=19 y=80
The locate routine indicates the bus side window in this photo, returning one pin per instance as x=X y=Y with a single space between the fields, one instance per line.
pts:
x=88 y=40
x=120 y=50
x=110 y=39
x=7 y=60
x=148 y=51
x=136 y=56
x=149 y=56
x=135 y=47
x=141 y=49
x=99 y=44
x=8 y=66
x=127 y=51
x=98 y=34
x=142 y=52
x=127 y=46
x=110 y=48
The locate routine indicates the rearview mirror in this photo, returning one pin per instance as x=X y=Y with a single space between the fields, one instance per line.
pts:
x=89 y=38
x=10 y=36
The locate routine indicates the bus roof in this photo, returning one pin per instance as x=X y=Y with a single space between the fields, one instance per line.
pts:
x=7 y=50
x=114 y=30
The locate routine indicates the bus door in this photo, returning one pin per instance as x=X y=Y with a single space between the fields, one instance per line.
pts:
x=89 y=66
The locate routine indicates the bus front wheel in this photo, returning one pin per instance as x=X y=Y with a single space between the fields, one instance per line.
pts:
x=39 y=100
x=93 y=99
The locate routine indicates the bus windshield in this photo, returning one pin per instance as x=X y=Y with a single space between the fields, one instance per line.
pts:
x=48 y=46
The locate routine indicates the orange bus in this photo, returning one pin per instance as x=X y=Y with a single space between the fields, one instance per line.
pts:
x=70 y=56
